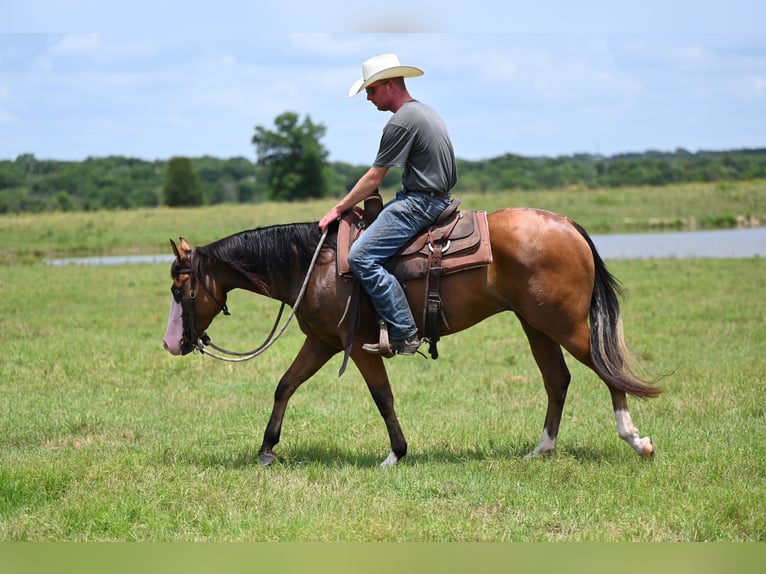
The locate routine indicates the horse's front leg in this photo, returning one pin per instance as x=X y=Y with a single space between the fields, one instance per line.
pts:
x=312 y=356
x=374 y=372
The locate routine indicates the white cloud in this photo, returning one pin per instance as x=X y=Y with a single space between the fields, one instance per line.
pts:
x=690 y=54
x=6 y=118
x=99 y=49
x=77 y=44
x=546 y=94
x=495 y=65
x=757 y=85
x=326 y=44
x=178 y=121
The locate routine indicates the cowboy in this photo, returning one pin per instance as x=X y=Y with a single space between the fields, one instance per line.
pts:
x=416 y=139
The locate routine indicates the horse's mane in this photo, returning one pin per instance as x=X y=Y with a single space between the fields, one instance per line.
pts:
x=271 y=257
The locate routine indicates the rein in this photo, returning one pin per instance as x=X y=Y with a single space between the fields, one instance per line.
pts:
x=237 y=357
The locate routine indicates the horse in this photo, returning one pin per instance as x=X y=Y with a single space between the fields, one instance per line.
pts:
x=544 y=268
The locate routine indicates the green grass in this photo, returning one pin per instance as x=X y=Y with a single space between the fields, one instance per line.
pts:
x=108 y=437
x=717 y=205
x=105 y=436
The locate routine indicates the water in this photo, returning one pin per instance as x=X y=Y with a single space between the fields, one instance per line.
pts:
x=110 y=260
x=734 y=243
x=730 y=243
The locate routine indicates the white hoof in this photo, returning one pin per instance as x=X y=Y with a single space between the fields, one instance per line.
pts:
x=545 y=447
x=391 y=460
x=647 y=447
x=538 y=453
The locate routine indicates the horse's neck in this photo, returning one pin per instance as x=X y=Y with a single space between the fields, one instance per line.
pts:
x=230 y=277
x=273 y=256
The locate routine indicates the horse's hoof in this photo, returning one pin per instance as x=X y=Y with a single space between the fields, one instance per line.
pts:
x=390 y=461
x=539 y=453
x=266 y=459
x=648 y=450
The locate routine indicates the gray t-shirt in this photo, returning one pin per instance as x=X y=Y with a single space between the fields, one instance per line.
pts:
x=416 y=139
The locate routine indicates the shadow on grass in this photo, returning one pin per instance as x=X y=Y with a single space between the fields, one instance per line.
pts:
x=295 y=456
x=598 y=455
x=327 y=455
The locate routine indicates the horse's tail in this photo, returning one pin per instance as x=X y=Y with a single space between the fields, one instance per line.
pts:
x=611 y=357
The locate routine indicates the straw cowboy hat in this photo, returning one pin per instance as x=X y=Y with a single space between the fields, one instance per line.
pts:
x=382 y=68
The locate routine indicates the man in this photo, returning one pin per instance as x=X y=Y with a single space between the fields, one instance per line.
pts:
x=416 y=139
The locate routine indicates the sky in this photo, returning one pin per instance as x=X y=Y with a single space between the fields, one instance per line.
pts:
x=152 y=80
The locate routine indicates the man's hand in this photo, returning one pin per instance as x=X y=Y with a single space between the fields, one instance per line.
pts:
x=332 y=215
x=367 y=184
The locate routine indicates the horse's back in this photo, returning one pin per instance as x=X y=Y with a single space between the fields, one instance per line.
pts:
x=539 y=257
x=534 y=237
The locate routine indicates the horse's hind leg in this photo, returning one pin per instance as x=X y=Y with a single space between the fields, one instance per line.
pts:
x=625 y=427
x=579 y=347
x=556 y=377
x=309 y=360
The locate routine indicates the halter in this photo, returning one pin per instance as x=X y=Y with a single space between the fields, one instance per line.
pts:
x=204 y=340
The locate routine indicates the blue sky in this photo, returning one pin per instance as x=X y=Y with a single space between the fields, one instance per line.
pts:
x=153 y=80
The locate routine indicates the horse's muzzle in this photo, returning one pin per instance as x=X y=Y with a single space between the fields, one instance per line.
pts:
x=187 y=347
x=179 y=349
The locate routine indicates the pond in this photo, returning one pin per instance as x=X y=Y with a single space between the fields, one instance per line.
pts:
x=721 y=244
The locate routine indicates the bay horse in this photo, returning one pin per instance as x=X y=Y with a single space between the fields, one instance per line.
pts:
x=545 y=269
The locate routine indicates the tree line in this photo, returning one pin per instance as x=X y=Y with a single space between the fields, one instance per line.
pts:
x=292 y=165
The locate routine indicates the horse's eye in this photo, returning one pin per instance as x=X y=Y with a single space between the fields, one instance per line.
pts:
x=176 y=291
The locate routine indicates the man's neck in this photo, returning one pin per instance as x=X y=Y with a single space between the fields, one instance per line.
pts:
x=400 y=100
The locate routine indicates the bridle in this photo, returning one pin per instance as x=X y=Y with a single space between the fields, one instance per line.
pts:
x=200 y=343
x=178 y=292
x=188 y=315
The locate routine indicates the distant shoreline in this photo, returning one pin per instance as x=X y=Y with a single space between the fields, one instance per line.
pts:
x=715 y=244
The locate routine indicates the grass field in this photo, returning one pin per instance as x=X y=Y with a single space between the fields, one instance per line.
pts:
x=108 y=437
x=31 y=237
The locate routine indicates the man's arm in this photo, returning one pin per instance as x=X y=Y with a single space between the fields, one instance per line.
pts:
x=363 y=188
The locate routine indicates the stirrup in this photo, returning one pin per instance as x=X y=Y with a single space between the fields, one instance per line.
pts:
x=383 y=347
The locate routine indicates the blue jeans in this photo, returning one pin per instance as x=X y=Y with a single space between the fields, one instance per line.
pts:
x=401 y=219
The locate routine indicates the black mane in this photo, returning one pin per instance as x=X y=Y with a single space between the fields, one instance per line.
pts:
x=271 y=257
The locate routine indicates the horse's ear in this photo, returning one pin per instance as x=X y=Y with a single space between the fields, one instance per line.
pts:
x=185 y=247
x=175 y=249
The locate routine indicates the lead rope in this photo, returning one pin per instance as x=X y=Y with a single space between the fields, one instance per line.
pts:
x=235 y=357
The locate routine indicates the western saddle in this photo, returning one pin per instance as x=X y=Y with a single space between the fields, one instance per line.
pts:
x=456 y=241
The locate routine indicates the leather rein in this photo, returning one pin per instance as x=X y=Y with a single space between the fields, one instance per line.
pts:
x=204 y=341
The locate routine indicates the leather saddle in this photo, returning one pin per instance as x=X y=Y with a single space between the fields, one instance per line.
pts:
x=457 y=240
x=460 y=238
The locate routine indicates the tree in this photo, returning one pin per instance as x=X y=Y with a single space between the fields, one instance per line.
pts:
x=294 y=158
x=181 y=185
x=11 y=175
x=62 y=201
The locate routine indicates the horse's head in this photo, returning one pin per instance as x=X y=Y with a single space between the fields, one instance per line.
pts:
x=192 y=309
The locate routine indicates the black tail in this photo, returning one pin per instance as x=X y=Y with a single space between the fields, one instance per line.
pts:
x=611 y=357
